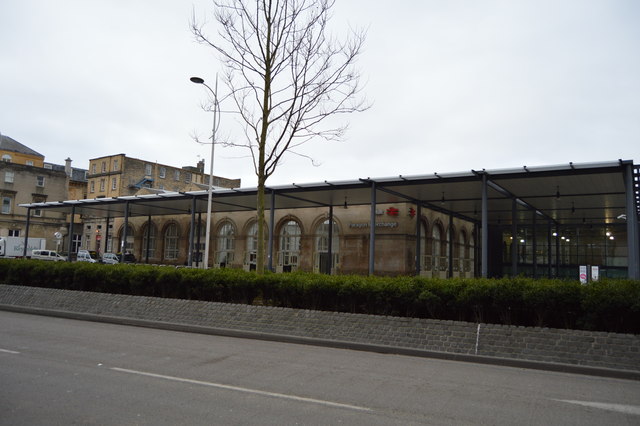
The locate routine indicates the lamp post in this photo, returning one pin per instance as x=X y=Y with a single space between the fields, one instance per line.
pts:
x=199 y=80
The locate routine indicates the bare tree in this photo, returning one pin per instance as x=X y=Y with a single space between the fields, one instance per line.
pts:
x=286 y=76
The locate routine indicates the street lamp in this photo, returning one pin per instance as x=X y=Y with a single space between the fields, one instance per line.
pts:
x=199 y=80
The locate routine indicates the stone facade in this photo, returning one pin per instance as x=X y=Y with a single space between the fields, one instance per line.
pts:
x=301 y=241
x=21 y=184
x=118 y=175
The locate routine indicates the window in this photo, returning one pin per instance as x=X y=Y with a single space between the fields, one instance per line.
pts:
x=163 y=172
x=187 y=177
x=149 y=237
x=6 y=158
x=176 y=175
x=40 y=181
x=76 y=241
x=101 y=185
x=48 y=166
x=6 y=205
x=103 y=167
x=128 y=245
x=171 y=242
x=226 y=245
x=8 y=177
x=147 y=169
x=38 y=199
x=92 y=186
x=114 y=183
x=115 y=165
x=29 y=163
x=323 y=263
x=93 y=168
x=289 y=245
x=14 y=232
x=252 y=245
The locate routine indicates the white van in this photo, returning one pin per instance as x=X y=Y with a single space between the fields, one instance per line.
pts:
x=85 y=256
x=110 y=258
x=47 y=255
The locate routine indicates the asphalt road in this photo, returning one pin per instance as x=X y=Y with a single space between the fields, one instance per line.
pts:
x=56 y=371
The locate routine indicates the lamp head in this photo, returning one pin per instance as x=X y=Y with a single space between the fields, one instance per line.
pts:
x=197 y=80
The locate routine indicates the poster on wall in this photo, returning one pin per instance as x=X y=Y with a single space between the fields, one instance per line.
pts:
x=583 y=274
x=595 y=273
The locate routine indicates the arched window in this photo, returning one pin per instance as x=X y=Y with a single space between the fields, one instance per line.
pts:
x=462 y=245
x=149 y=241
x=436 y=248
x=6 y=158
x=425 y=258
x=251 y=254
x=199 y=242
x=127 y=247
x=289 y=246
x=322 y=262
x=226 y=244
x=171 y=242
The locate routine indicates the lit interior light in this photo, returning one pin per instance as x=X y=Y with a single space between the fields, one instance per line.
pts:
x=555 y=234
x=612 y=237
x=522 y=241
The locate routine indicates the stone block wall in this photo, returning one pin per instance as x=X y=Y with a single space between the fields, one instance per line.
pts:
x=570 y=347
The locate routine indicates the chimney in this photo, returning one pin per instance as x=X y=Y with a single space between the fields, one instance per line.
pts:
x=200 y=166
x=67 y=166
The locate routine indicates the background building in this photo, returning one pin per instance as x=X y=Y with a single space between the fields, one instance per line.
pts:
x=26 y=178
x=118 y=175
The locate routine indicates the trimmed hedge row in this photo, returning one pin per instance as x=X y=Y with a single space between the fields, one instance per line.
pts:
x=608 y=305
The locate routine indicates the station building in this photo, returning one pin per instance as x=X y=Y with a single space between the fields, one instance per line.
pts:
x=532 y=221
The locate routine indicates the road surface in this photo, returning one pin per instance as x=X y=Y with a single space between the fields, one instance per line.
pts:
x=56 y=371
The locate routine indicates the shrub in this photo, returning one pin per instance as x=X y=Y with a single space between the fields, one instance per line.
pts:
x=609 y=305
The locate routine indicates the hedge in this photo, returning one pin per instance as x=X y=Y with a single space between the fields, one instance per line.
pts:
x=607 y=305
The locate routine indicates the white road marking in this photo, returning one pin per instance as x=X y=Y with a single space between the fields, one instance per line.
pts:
x=7 y=351
x=620 y=408
x=245 y=390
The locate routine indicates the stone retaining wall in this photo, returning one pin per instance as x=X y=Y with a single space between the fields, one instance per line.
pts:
x=572 y=347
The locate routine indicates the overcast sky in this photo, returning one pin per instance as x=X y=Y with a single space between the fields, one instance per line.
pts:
x=455 y=85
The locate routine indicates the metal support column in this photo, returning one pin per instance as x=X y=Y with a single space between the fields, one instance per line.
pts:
x=330 y=241
x=123 y=243
x=450 y=246
x=372 y=231
x=272 y=221
x=534 y=243
x=418 y=239
x=549 y=231
x=514 y=238
x=26 y=233
x=557 y=274
x=199 y=231
x=633 y=245
x=148 y=238
x=70 y=243
x=485 y=229
x=106 y=236
x=192 y=226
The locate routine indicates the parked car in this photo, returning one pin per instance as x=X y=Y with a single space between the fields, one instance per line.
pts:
x=110 y=258
x=47 y=255
x=87 y=256
x=127 y=258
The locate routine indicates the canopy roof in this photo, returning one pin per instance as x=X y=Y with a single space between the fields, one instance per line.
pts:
x=587 y=193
